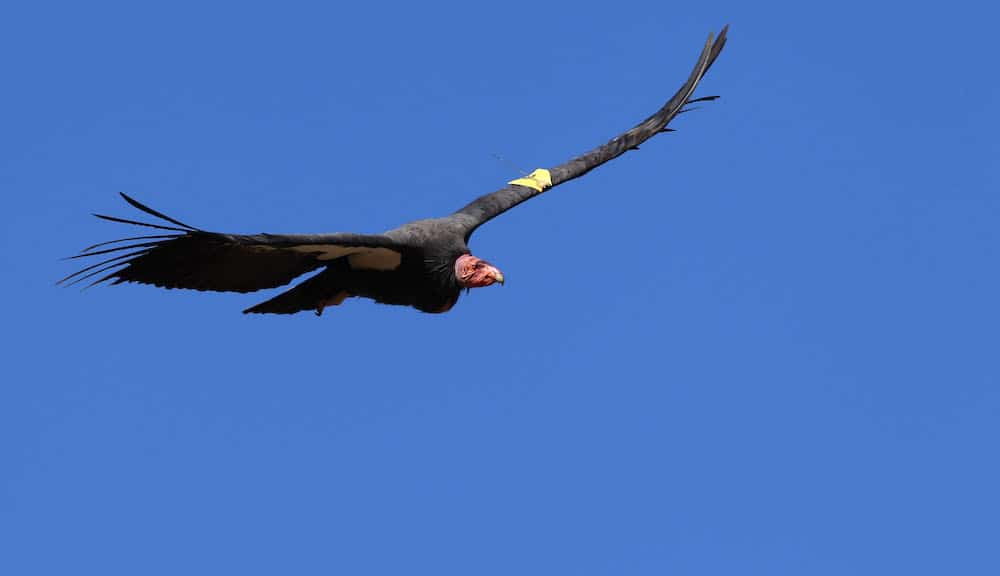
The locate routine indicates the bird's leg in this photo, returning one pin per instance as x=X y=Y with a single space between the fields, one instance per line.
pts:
x=335 y=301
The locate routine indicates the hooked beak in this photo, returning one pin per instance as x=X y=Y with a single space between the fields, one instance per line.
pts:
x=498 y=276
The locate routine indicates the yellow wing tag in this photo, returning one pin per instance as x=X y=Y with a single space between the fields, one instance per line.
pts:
x=540 y=179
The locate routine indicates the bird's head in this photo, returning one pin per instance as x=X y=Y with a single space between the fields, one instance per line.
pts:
x=473 y=272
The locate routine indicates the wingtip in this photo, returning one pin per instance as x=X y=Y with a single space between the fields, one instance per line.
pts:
x=720 y=40
x=140 y=206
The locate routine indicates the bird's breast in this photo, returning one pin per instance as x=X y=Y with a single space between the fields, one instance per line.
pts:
x=448 y=305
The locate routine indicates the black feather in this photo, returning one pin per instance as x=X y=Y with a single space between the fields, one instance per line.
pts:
x=703 y=99
x=149 y=237
x=122 y=257
x=137 y=223
x=152 y=212
x=115 y=249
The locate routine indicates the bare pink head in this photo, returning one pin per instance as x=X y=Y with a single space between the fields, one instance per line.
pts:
x=473 y=272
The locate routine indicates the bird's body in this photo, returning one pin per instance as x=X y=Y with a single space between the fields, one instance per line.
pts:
x=424 y=264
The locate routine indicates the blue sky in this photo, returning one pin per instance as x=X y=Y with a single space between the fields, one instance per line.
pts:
x=764 y=344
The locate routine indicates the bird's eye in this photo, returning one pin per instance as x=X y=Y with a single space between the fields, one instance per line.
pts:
x=479 y=265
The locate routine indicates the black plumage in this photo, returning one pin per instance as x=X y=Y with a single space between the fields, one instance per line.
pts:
x=419 y=264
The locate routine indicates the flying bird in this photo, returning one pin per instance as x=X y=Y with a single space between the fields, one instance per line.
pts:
x=424 y=264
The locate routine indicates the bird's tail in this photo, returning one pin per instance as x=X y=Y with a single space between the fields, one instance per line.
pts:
x=316 y=293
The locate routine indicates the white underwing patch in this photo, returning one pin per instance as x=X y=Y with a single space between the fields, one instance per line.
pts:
x=359 y=257
x=375 y=259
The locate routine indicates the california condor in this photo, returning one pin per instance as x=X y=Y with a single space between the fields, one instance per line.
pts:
x=424 y=264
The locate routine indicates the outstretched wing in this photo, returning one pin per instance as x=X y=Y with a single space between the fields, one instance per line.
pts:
x=492 y=205
x=187 y=257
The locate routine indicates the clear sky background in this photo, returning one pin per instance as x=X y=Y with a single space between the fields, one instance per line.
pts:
x=765 y=344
